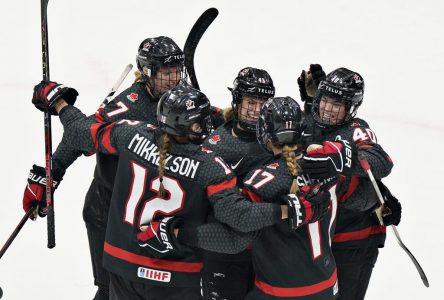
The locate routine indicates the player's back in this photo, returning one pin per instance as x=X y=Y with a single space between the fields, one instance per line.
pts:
x=135 y=201
x=291 y=263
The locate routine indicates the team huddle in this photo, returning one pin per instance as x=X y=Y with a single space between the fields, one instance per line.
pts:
x=262 y=200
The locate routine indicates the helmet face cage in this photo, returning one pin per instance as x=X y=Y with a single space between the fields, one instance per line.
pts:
x=185 y=111
x=338 y=98
x=280 y=122
x=165 y=78
x=161 y=63
x=251 y=89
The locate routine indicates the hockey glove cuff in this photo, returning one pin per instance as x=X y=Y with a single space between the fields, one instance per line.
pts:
x=47 y=93
x=158 y=236
x=329 y=159
x=391 y=209
x=307 y=206
x=35 y=191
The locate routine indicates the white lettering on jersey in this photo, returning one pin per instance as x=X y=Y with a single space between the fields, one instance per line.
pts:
x=144 y=148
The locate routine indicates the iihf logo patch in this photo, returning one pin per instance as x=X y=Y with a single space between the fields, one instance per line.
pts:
x=133 y=97
x=214 y=139
x=273 y=166
x=190 y=104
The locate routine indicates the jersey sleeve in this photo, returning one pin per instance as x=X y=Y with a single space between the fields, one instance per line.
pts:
x=233 y=209
x=367 y=146
x=216 y=237
x=64 y=156
x=85 y=134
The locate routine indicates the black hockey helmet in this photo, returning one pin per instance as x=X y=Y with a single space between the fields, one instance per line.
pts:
x=182 y=107
x=251 y=82
x=154 y=53
x=343 y=86
x=280 y=122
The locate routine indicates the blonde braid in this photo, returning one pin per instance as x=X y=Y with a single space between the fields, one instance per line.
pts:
x=164 y=147
x=292 y=166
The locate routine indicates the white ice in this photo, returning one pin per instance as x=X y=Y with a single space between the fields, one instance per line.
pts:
x=397 y=46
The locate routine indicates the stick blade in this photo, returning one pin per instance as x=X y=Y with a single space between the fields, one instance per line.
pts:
x=196 y=33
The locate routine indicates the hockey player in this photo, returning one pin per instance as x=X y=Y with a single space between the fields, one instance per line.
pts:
x=161 y=172
x=358 y=233
x=231 y=276
x=296 y=261
x=160 y=67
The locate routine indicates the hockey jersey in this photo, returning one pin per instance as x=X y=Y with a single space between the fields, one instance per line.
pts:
x=356 y=226
x=291 y=264
x=195 y=179
x=134 y=103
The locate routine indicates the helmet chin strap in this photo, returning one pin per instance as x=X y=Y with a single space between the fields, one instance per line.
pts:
x=243 y=134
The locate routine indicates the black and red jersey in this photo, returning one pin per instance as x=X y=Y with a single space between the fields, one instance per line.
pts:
x=291 y=264
x=241 y=153
x=134 y=103
x=195 y=179
x=356 y=227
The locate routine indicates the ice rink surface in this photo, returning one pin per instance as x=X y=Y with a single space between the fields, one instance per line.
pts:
x=397 y=46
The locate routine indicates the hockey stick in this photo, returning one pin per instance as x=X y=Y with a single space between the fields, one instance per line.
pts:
x=48 y=133
x=366 y=166
x=193 y=39
x=17 y=230
x=117 y=84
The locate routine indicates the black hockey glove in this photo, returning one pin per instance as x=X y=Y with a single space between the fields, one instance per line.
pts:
x=35 y=190
x=329 y=159
x=308 y=82
x=158 y=236
x=392 y=209
x=47 y=93
x=309 y=205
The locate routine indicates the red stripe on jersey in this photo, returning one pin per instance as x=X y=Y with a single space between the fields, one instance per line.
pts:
x=351 y=188
x=106 y=139
x=358 y=235
x=296 y=291
x=216 y=188
x=93 y=130
x=177 y=266
x=99 y=117
x=252 y=196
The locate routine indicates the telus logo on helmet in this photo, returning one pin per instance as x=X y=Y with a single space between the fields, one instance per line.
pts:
x=174 y=58
x=260 y=90
x=333 y=90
